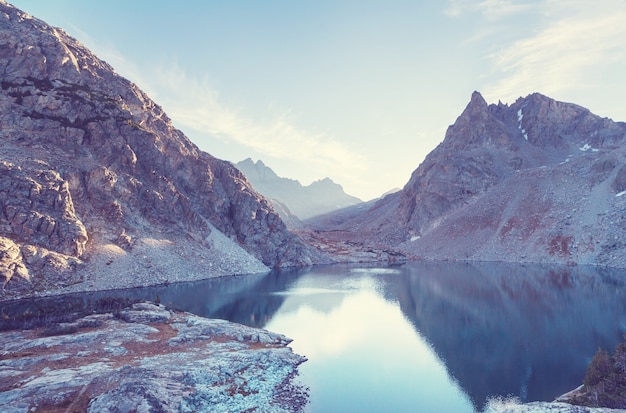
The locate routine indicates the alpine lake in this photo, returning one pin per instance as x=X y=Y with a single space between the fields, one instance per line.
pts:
x=424 y=336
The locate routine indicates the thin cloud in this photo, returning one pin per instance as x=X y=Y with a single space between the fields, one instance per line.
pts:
x=193 y=103
x=560 y=56
x=489 y=9
x=454 y=8
x=499 y=9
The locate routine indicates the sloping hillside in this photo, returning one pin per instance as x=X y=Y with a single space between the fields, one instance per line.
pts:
x=98 y=187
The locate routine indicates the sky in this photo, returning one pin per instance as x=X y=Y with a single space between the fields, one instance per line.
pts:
x=356 y=90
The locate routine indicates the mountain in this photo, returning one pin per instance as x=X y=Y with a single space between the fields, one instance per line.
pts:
x=538 y=181
x=98 y=188
x=305 y=202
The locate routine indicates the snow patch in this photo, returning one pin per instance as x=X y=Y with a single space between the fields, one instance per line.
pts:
x=586 y=147
x=620 y=194
x=415 y=238
x=520 y=116
x=566 y=159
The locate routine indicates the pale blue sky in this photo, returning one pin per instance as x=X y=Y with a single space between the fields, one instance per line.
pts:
x=356 y=90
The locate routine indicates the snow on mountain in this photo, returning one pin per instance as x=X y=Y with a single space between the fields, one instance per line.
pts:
x=486 y=194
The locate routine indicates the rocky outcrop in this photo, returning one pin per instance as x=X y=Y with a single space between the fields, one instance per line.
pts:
x=538 y=180
x=513 y=406
x=304 y=202
x=147 y=358
x=90 y=164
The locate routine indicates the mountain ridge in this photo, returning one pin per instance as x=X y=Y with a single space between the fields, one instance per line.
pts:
x=303 y=201
x=504 y=185
x=93 y=171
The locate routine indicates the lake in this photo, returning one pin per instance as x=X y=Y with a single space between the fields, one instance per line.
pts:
x=425 y=336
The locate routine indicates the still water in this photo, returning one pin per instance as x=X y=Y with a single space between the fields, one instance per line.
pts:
x=416 y=337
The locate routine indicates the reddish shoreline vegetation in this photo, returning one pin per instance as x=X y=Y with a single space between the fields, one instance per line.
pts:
x=99 y=190
x=147 y=357
x=605 y=381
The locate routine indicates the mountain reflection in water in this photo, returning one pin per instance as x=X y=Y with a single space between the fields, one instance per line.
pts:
x=523 y=330
x=411 y=337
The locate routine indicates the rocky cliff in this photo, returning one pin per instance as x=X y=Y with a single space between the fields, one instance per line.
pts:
x=94 y=177
x=318 y=198
x=538 y=180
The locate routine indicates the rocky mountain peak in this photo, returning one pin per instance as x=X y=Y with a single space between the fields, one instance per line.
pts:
x=260 y=169
x=93 y=172
x=477 y=125
x=293 y=198
x=476 y=109
x=326 y=183
x=477 y=100
x=561 y=127
x=538 y=180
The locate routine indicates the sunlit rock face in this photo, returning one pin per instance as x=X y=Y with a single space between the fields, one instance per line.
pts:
x=89 y=163
x=537 y=180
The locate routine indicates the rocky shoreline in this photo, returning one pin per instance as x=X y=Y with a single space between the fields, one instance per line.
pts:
x=148 y=358
x=544 y=407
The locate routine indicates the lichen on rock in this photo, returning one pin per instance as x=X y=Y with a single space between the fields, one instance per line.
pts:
x=148 y=357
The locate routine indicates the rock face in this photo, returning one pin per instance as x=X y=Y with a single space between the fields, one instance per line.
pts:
x=90 y=168
x=305 y=202
x=538 y=180
x=147 y=358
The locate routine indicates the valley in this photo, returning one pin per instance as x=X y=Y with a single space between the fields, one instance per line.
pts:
x=510 y=226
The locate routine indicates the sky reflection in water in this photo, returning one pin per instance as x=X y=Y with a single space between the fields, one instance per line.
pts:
x=364 y=355
x=424 y=336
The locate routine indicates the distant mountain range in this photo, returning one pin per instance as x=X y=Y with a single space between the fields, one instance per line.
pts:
x=292 y=198
x=535 y=181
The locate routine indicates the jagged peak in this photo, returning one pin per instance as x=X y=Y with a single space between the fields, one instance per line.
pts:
x=477 y=99
x=476 y=107
x=537 y=102
x=324 y=181
x=533 y=98
x=251 y=163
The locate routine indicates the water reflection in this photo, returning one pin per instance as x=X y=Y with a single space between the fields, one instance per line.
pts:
x=418 y=337
x=523 y=330
x=364 y=355
x=248 y=299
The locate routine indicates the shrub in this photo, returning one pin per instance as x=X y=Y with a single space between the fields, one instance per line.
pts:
x=598 y=369
x=605 y=380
